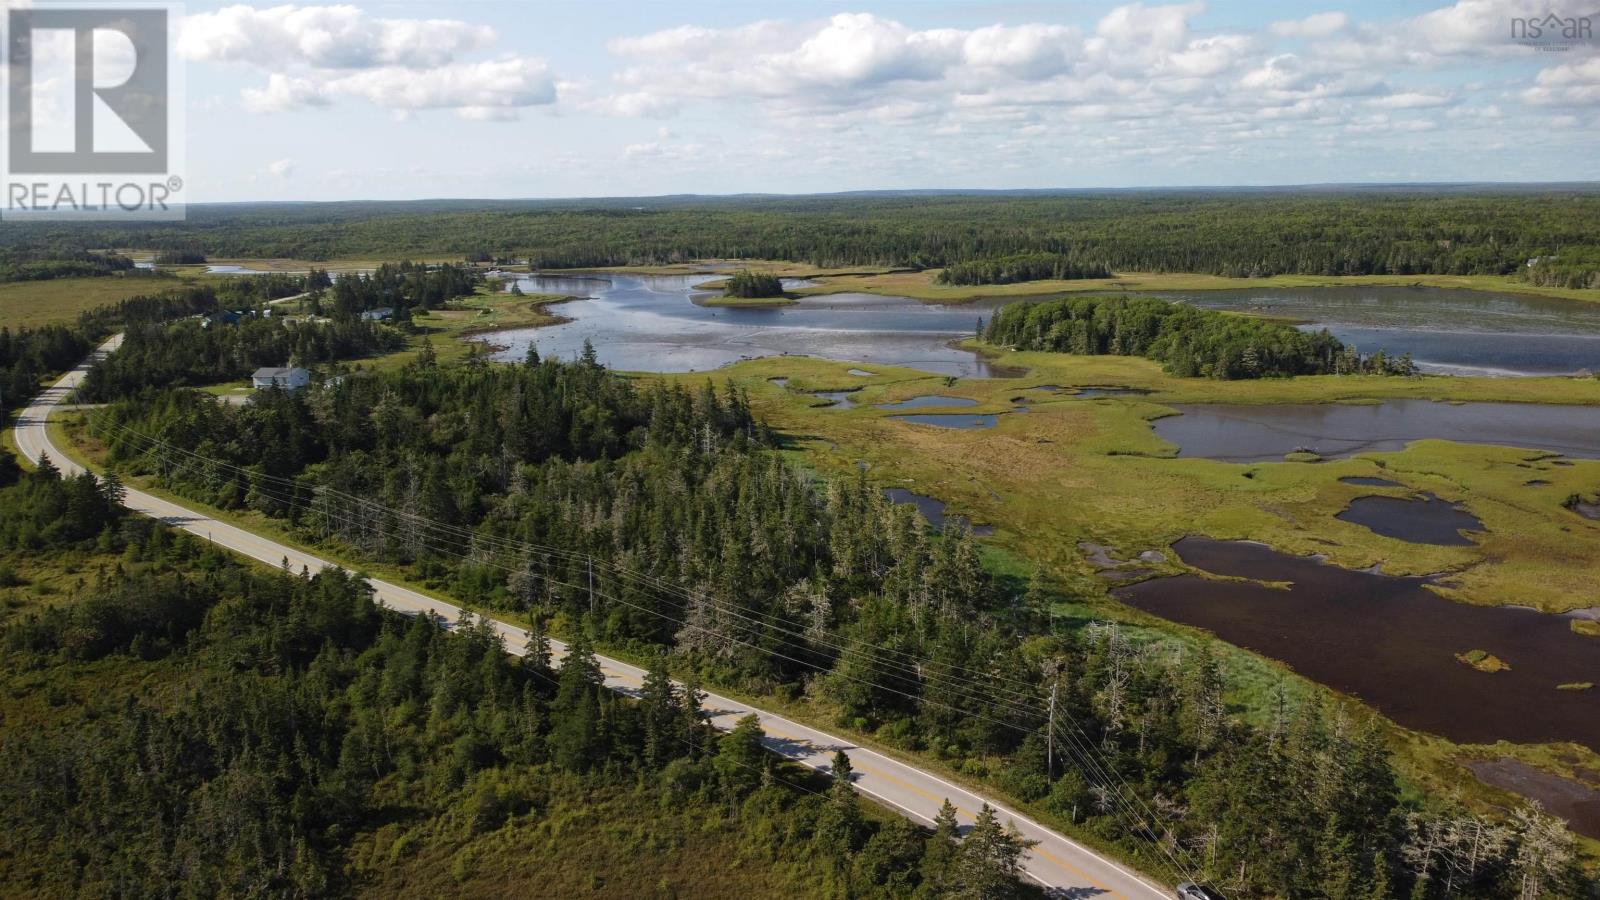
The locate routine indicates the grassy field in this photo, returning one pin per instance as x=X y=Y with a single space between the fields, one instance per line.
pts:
x=484 y=312
x=746 y=302
x=29 y=304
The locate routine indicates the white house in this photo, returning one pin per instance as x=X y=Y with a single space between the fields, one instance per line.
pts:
x=289 y=379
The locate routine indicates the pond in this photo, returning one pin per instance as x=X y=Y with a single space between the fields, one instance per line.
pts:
x=1370 y=481
x=651 y=324
x=932 y=509
x=837 y=399
x=1418 y=520
x=1391 y=642
x=1446 y=331
x=1240 y=433
x=928 y=401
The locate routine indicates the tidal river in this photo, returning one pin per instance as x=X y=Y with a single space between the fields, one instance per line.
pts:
x=1447 y=332
x=652 y=324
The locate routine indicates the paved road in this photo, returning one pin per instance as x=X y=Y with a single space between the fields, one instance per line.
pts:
x=1066 y=867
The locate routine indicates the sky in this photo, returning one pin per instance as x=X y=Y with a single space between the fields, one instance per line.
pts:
x=512 y=99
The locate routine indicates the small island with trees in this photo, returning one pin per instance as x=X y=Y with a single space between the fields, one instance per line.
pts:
x=747 y=288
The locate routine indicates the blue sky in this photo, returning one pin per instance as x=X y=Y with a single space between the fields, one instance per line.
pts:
x=514 y=99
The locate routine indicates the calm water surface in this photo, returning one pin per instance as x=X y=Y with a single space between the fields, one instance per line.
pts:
x=1391 y=642
x=1446 y=331
x=1420 y=520
x=651 y=324
x=1240 y=433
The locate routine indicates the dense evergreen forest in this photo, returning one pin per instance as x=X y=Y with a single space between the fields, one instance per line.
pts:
x=660 y=520
x=1189 y=341
x=1021 y=267
x=27 y=355
x=234 y=732
x=753 y=284
x=1319 y=232
x=400 y=287
x=59 y=261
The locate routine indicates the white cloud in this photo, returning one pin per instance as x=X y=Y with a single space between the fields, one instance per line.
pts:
x=855 y=66
x=325 y=37
x=1411 y=100
x=501 y=84
x=1571 y=84
x=284 y=93
x=1318 y=25
x=280 y=168
x=315 y=54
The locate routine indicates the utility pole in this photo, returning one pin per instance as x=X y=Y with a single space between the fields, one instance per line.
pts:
x=591 y=587
x=1050 y=739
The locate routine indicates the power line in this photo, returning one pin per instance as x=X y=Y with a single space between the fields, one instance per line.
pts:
x=1082 y=753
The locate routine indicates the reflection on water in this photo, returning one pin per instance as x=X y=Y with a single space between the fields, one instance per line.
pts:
x=1370 y=481
x=1390 y=642
x=1235 y=433
x=929 y=401
x=650 y=324
x=932 y=509
x=1419 y=520
x=1446 y=331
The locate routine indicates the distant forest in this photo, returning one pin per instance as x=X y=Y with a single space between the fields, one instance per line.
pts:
x=1232 y=233
x=1021 y=267
x=58 y=261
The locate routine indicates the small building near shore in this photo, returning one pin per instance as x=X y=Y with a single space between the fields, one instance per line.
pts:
x=284 y=378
